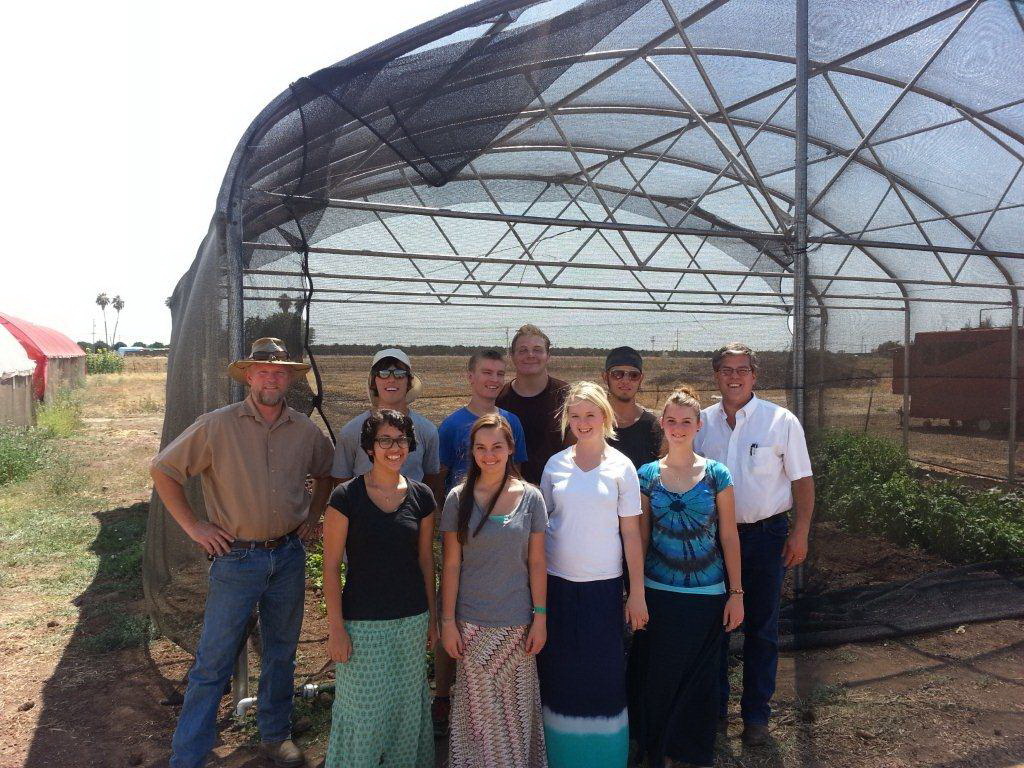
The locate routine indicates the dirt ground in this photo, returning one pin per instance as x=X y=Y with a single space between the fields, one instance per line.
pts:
x=952 y=699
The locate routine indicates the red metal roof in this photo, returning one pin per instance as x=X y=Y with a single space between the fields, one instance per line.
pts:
x=40 y=341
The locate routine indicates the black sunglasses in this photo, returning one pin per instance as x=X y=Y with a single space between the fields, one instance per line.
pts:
x=618 y=374
x=387 y=373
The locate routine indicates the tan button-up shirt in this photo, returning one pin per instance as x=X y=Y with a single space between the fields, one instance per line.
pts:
x=253 y=473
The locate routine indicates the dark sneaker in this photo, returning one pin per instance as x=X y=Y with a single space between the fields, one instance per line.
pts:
x=283 y=754
x=440 y=709
x=755 y=735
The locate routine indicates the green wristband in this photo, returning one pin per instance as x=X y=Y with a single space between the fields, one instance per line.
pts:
x=540 y=609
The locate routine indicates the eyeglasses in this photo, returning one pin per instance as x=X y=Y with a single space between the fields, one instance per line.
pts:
x=387 y=442
x=618 y=374
x=387 y=373
x=744 y=371
x=268 y=357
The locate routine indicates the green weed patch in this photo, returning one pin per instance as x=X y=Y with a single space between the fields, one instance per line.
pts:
x=62 y=417
x=123 y=630
x=865 y=483
x=22 y=452
x=27 y=450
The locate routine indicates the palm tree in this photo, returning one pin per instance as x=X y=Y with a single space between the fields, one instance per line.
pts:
x=118 y=304
x=284 y=302
x=102 y=300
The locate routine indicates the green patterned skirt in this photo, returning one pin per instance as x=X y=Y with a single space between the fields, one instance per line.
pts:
x=381 y=714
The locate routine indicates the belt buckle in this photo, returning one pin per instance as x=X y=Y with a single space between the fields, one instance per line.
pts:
x=269 y=543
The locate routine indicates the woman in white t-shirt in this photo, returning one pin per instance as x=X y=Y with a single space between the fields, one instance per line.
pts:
x=592 y=496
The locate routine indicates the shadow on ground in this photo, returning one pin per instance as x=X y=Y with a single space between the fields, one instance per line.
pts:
x=101 y=706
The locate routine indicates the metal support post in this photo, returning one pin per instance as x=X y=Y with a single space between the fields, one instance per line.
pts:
x=235 y=316
x=236 y=351
x=240 y=677
x=905 y=425
x=1011 y=449
x=800 y=213
x=822 y=349
x=802 y=673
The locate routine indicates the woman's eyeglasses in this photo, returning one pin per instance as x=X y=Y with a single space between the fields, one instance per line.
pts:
x=387 y=442
x=618 y=374
x=387 y=373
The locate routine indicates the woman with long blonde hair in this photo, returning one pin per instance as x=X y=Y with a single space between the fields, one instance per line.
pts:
x=593 y=500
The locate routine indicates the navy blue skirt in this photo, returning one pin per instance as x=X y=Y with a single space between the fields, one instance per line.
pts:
x=583 y=677
x=673 y=677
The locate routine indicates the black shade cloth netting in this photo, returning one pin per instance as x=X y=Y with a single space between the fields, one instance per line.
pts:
x=427 y=118
x=940 y=600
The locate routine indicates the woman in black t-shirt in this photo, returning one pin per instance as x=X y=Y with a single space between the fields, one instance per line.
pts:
x=381 y=623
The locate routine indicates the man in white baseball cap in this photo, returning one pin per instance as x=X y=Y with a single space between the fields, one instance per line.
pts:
x=391 y=385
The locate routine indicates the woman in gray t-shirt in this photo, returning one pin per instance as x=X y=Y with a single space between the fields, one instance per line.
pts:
x=493 y=592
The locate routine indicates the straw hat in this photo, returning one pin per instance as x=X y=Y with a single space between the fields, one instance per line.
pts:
x=266 y=351
x=415 y=385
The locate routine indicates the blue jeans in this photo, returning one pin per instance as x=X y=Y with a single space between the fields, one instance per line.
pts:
x=763 y=572
x=274 y=580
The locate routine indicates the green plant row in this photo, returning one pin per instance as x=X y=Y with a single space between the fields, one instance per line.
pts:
x=104 y=361
x=866 y=484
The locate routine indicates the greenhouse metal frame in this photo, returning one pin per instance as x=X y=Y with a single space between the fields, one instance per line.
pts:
x=829 y=171
x=381 y=166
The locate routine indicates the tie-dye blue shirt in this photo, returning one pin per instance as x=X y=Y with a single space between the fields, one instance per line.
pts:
x=683 y=554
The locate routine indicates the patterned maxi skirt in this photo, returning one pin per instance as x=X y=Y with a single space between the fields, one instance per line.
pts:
x=381 y=713
x=583 y=677
x=495 y=718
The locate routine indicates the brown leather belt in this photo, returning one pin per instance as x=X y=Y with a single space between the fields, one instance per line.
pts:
x=758 y=523
x=265 y=544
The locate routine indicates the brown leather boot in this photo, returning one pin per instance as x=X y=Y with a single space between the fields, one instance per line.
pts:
x=755 y=735
x=283 y=754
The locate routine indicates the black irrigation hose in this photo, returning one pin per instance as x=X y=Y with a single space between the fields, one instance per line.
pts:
x=318 y=397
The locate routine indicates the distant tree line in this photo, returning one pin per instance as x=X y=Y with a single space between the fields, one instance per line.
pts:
x=101 y=345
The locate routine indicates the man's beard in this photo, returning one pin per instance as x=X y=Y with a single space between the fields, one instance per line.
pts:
x=623 y=399
x=269 y=398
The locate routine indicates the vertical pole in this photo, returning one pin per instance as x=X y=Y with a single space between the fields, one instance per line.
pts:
x=236 y=322
x=236 y=343
x=240 y=678
x=1011 y=448
x=800 y=213
x=906 y=377
x=822 y=348
x=803 y=673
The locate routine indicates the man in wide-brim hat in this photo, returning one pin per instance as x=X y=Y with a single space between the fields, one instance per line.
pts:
x=253 y=458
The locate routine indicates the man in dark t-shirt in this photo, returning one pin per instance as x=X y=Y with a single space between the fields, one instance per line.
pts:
x=536 y=398
x=638 y=433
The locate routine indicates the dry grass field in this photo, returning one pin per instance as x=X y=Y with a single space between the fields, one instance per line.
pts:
x=444 y=384
x=84 y=683
x=870 y=407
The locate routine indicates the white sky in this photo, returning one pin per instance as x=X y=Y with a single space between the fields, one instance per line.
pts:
x=120 y=121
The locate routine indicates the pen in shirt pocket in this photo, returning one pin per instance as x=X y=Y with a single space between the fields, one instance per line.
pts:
x=753 y=447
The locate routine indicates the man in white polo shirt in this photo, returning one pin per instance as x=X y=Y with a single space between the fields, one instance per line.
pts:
x=764 y=448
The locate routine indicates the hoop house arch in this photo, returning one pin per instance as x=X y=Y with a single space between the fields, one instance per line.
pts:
x=650 y=172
